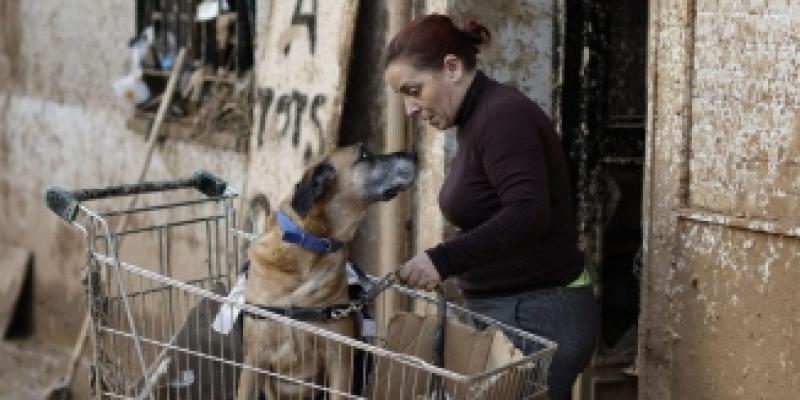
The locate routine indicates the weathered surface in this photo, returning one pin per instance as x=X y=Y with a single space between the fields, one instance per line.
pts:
x=28 y=370
x=521 y=50
x=9 y=40
x=735 y=315
x=745 y=105
x=719 y=315
x=301 y=60
x=60 y=123
x=667 y=130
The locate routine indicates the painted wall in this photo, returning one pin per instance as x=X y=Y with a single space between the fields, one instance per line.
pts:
x=60 y=123
x=719 y=315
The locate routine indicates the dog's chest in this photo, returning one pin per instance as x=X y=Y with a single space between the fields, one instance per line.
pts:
x=322 y=284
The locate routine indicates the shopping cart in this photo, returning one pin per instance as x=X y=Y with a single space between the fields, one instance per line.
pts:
x=155 y=287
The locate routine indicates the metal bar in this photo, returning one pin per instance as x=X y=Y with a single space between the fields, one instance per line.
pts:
x=168 y=225
x=216 y=244
x=162 y=288
x=127 y=308
x=227 y=250
x=303 y=326
x=168 y=262
x=194 y=353
x=167 y=206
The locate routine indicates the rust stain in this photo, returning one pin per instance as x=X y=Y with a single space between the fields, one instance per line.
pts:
x=793 y=145
x=9 y=41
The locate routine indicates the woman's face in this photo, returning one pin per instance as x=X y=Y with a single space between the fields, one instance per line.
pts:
x=431 y=94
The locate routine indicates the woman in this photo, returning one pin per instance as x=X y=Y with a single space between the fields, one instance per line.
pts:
x=516 y=257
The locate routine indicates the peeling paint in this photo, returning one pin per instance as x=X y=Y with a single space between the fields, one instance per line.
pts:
x=521 y=51
x=723 y=97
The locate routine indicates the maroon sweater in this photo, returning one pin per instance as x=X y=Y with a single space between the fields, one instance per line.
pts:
x=508 y=192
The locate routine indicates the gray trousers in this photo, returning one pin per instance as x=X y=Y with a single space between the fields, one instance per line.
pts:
x=567 y=316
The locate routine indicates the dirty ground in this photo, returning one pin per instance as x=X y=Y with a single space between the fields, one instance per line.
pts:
x=28 y=369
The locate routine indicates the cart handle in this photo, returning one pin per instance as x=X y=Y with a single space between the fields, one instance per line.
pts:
x=65 y=202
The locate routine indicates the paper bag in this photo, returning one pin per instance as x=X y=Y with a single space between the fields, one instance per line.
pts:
x=468 y=351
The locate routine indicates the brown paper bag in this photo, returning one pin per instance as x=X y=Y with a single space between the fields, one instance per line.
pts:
x=467 y=351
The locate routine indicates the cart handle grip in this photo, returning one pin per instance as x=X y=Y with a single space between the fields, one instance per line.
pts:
x=65 y=202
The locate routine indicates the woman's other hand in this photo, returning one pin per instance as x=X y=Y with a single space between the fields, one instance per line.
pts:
x=419 y=273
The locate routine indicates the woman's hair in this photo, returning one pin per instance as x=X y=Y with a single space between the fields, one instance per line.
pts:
x=426 y=40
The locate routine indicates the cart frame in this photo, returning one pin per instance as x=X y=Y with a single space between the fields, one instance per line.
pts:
x=140 y=313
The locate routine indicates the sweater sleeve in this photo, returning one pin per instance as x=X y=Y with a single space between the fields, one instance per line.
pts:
x=511 y=151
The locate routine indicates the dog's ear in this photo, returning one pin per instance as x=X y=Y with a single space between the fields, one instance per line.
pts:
x=312 y=187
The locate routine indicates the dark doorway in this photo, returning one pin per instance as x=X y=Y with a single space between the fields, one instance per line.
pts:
x=603 y=106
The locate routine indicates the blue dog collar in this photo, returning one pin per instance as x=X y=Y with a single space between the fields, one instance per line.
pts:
x=293 y=234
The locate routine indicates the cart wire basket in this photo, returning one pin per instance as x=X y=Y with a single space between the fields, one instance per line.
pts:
x=158 y=275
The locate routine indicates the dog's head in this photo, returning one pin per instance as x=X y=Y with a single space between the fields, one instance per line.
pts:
x=348 y=180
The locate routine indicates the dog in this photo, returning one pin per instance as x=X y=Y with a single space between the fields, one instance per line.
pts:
x=327 y=204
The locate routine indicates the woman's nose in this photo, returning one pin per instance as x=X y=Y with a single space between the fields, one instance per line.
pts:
x=412 y=106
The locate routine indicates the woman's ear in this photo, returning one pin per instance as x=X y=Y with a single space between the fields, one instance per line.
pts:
x=453 y=67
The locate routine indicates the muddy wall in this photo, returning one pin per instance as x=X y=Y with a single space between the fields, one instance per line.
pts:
x=719 y=316
x=521 y=49
x=60 y=123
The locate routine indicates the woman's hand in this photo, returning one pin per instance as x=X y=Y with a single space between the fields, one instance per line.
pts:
x=419 y=273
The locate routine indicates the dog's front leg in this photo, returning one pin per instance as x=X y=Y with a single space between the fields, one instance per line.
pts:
x=247 y=386
x=246 y=389
x=339 y=369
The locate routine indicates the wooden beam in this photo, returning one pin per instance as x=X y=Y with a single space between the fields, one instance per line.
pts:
x=393 y=249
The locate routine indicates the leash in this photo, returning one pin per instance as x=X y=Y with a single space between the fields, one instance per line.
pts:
x=436 y=390
x=336 y=311
x=436 y=387
x=316 y=314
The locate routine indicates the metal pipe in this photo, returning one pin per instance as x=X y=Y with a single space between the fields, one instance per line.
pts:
x=394 y=214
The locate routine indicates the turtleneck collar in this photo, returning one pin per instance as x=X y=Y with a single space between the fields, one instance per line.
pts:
x=471 y=98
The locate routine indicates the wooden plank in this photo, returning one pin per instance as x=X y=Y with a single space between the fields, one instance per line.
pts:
x=16 y=265
x=301 y=70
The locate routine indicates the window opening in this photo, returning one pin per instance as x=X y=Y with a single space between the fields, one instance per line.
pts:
x=213 y=100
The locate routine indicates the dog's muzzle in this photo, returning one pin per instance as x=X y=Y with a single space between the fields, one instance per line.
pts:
x=389 y=175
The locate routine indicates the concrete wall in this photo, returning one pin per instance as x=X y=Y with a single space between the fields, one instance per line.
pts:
x=60 y=123
x=719 y=315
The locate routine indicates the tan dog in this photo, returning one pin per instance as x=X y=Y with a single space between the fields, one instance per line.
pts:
x=329 y=202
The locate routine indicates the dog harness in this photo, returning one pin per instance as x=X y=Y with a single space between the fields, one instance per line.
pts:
x=372 y=288
x=315 y=314
x=292 y=233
